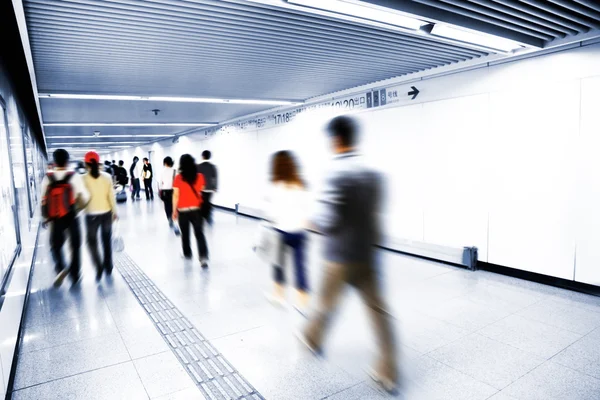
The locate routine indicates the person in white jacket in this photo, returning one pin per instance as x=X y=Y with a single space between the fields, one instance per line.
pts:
x=165 y=190
x=287 y=209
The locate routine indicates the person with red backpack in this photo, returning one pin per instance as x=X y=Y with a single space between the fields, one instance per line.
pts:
x=62 y=190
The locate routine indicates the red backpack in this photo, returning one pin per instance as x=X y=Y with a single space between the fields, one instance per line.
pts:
x=60 y=199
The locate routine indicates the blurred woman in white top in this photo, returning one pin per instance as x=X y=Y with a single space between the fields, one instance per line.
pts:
x=287 y=211
x=165 y=190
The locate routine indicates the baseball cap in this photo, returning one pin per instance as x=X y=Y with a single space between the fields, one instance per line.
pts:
x=92 y=156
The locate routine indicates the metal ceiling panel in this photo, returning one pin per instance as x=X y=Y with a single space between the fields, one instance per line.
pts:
x=67 y=110
x=216 y=48
x=526 y=21
x=244 y=49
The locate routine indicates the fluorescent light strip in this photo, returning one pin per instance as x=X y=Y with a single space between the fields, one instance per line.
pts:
x=92 y=144
x=163 y=98
x=124 y=136
x=477 y=38
x=363 y=11
x=127 y=124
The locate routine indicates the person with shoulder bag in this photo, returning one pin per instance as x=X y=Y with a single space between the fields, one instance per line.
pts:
x=63 y=194
x=187 y=203
x=287 y=210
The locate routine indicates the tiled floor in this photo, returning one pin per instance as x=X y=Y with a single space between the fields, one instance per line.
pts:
x=463 y=335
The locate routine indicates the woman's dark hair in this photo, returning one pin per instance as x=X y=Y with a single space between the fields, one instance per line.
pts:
x=206 y=154
x=168 y=161
x=284 y=168
x=94 y=169
x=187 y=168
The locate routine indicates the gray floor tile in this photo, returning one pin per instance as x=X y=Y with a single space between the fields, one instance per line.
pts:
x=431 y=379
x=359 y=392
x=436 y=305
x=561 y=315
x=583 y=355
x=552 y=381
x=162 y=374
x=187 y=394
x=487 y=360
x=504 y=297
x=272 y=360
x=216 y=324
x=532 y=336
x=424 y=333
x=132 y=318
x=466 y=314
x=116 y=382
x=39 y=337
x=69 y=359
x=501 y=396
x=143 y=342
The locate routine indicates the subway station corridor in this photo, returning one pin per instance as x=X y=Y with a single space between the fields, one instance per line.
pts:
x=454 y=141
x=462 y=334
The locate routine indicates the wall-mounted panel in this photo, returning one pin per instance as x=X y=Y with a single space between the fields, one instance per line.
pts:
x=588 y=185
x=532 y=198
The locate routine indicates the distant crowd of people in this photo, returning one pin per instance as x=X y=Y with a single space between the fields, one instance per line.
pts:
x=93 y=190
x=347 y=217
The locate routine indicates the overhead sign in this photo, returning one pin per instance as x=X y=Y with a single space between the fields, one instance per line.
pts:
x=371 y=99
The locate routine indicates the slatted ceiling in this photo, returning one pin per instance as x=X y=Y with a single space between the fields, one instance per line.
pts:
x=547 y=20
x=232 y=35
x=243 y=49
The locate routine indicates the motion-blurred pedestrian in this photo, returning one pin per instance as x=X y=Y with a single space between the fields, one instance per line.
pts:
x=286 y=209
x=209 y=171
x=187 y=202
x=349 y=220
x=101 y=212
x=148 y=174
x=134 y=174
x=62 y=191
x=165 y=190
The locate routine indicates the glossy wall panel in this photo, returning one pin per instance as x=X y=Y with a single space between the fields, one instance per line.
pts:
x=13 y=170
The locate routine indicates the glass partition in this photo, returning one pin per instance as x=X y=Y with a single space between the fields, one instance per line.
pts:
x=8 y=232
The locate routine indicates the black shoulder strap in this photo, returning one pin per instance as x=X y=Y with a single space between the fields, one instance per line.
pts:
x=193 y=190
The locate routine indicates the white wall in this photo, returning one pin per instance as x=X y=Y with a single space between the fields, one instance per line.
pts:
x=504 y=158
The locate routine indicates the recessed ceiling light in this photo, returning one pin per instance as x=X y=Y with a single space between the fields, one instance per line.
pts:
x=92 y=143
x=128 y=124
x=124 y=136
x=363 y=11
x=473 y=37
x=75 y=96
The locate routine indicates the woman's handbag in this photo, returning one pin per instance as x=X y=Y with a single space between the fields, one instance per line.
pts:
x=267 y=244
x=118 y=244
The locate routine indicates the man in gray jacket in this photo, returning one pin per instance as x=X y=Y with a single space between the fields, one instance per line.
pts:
x=349 y=220
x=209 y=171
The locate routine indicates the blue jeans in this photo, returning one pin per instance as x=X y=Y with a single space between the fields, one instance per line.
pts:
x=296 y=241
x=136 y=188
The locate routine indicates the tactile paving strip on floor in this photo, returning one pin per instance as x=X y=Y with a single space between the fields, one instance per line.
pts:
x=214 y=376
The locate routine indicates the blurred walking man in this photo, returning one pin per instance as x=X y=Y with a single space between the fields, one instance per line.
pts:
x=63 y=193
x=209 y=171
x=349 y=220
